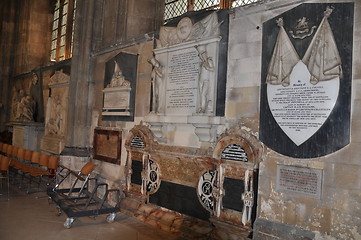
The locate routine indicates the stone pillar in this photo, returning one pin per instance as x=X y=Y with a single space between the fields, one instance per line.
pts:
x=81 y=83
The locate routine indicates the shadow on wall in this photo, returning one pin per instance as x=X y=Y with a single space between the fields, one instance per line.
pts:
x=6 y=137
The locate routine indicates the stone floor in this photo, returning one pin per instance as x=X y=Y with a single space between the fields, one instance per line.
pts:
x=32 y=217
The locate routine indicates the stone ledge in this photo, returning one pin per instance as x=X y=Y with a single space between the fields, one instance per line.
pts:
x=265 y=229
x=76 y=152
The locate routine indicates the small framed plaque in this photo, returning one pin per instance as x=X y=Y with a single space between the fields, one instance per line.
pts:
x=302 y=181
x=107 y=145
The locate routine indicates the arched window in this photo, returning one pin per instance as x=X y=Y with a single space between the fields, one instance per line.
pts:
x=137 y=142
x=234 y=152
x=62 y=30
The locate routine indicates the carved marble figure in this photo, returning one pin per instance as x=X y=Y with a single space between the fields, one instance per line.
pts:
x=187 y=31
x=25 y=108
x=54 y=124
x=204 y=78
x=34 y=89
x=321 y=58
x=284 y=58
x=14 y=103
x=157 y=86
x=118 y=80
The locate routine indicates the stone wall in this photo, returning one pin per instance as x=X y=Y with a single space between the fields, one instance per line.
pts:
x=279 y=215
x=115 y=174
x=177 y=147
x=336 y=215
x=25 y=46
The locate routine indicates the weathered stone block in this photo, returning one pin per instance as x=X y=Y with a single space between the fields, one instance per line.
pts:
x=264 y=229
x=356 y=131
x=244 y=50
x=239 y=110
x=243 y=95
x=289 y=215
x=345 y=226
x=320 y=220
x=347 y=176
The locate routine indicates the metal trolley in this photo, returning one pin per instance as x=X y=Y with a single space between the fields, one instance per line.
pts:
x=80 y=201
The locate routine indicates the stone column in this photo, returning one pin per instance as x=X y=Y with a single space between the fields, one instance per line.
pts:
x=81 y=83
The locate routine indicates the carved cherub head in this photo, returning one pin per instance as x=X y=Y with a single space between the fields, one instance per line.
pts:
x=35 y=79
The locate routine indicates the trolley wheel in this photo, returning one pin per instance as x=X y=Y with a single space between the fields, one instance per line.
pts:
x=68 y=222
x=111 y=217
x=57 y=211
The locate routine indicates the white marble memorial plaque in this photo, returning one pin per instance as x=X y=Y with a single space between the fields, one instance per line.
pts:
x=183 y=73
x=116 y=101
x=299 y=180
x=116 y=98
x=301 y=108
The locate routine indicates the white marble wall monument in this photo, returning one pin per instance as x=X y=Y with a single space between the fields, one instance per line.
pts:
x=184 y=76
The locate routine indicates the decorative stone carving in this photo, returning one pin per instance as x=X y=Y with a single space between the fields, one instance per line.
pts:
x=54 y=124
x=56 y=113
x=118 y=80
x=187 y=60
x=117 y=95
x=184 y=77
x=205 y=190
x=302 y=30
x=157 y=86
x=58 y=78
x=26 y=100
x=248 y=198
x=153 y=177
x=25 y=108
x=207 y=68
x=187 y=31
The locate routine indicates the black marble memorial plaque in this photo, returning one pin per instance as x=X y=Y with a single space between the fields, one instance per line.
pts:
x=179 y=198
x=128 y=64
x=233 y=197
x=296 y=120
x=137 y=168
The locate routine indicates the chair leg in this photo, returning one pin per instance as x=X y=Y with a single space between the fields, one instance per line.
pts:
x=29 y=185
x=21 y=180
x=8 y=178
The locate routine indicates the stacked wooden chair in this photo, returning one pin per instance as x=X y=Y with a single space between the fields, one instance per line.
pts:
x=4 y=172
x=28 y=165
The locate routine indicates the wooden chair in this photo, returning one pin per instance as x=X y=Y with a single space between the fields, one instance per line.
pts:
x=40 y=170
x=4 y=169
x=14 y=152
x=9 y=150
x=23 y=163
x=33 y=157
x=27 y=156
x=4 y=147
x=82 y=175
x=52 y=164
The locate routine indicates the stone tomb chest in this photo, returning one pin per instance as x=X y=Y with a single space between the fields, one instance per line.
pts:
x=213 y=191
